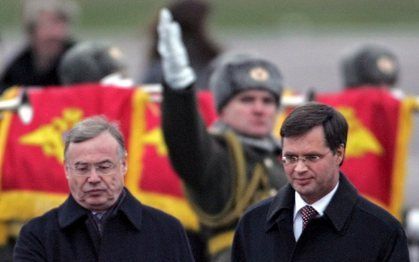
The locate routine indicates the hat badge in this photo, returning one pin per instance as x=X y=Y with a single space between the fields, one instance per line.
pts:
x=259 y=74
x=386 y=65
x=115 y=53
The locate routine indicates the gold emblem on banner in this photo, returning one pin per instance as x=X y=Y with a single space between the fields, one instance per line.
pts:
x=49 y=136
x=361 y=140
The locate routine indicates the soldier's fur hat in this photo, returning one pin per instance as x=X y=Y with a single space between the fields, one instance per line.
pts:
x=370 y=65
x=237 y=73
x=90 y=62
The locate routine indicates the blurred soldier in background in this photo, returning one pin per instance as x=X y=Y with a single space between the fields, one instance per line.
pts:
x=93 y=62
x=47 y=25
x=236 y=162
x=192 y=17
x=370 y=75
x=370 y=65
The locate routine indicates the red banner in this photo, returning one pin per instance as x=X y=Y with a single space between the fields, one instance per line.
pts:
x=376 y=152
x=32 y=178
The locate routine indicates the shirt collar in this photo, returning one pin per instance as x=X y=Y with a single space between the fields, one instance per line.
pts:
x=338 y=211
x=320 y=205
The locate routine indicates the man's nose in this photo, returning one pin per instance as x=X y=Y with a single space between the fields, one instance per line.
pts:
x=300 y=166
x=93 y=176
x=259 y=106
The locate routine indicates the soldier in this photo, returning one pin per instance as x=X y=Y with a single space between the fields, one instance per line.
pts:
x=370 y=65
x=236 y=162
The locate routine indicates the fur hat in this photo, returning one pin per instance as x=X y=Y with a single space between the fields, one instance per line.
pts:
x=90 y=62
x=238 y=73
x=370 y=65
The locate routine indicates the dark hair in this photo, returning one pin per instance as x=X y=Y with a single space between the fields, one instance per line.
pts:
x=312 y=114
x=92 y=127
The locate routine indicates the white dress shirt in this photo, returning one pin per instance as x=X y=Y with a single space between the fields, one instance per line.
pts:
x=320 y=205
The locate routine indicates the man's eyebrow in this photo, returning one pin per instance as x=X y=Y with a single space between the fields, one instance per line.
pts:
x=80 y=163
x=103 y=162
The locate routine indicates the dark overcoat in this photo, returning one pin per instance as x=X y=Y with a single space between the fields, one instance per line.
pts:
x=22 y=71
x=352 y=229
x=134 y=232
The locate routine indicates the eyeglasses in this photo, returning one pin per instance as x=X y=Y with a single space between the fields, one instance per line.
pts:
x=85 y=169
x=306 y=159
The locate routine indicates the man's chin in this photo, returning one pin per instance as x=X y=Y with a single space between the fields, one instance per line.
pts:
x=255 y=133
x=97 y=203
x=302 y=188
x=97 y=206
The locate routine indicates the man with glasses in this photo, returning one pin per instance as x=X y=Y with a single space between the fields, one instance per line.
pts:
x=319 y=215
x=100 y=220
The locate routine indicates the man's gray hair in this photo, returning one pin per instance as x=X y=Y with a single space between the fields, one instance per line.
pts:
x=92 y=127
x=31 y=9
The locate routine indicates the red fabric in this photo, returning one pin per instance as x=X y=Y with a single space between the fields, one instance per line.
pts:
x=375 y=112
x=31 y=167
x=158 y=175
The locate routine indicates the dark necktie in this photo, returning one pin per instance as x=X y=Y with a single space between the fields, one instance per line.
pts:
x=97 y=216
x=307 y=213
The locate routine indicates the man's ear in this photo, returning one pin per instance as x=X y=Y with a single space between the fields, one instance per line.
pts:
x=125 y=164
x=340 y=152
x=125 y=167
x=66 y=171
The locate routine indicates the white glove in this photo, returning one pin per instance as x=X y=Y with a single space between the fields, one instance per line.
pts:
x=175 y=61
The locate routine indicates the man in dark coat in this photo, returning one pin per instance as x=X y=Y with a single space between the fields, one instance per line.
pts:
x=234 y=164
x=318 y=216
x=100 y=220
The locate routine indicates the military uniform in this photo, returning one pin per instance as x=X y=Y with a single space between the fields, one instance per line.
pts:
x=223 y=172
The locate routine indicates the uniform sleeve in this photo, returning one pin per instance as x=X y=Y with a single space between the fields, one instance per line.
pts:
x=198 y=158
x=28 y=247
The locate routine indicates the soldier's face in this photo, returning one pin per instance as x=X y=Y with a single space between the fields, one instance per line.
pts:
x=95 y=171
x=251 y=112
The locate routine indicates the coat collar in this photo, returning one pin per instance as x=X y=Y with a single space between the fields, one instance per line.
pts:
x=337 y=212
x=341 y=206
x=282 y=205
x=70 y=211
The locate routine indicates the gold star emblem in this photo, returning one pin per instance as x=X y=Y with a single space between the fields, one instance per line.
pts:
x=259 y=74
